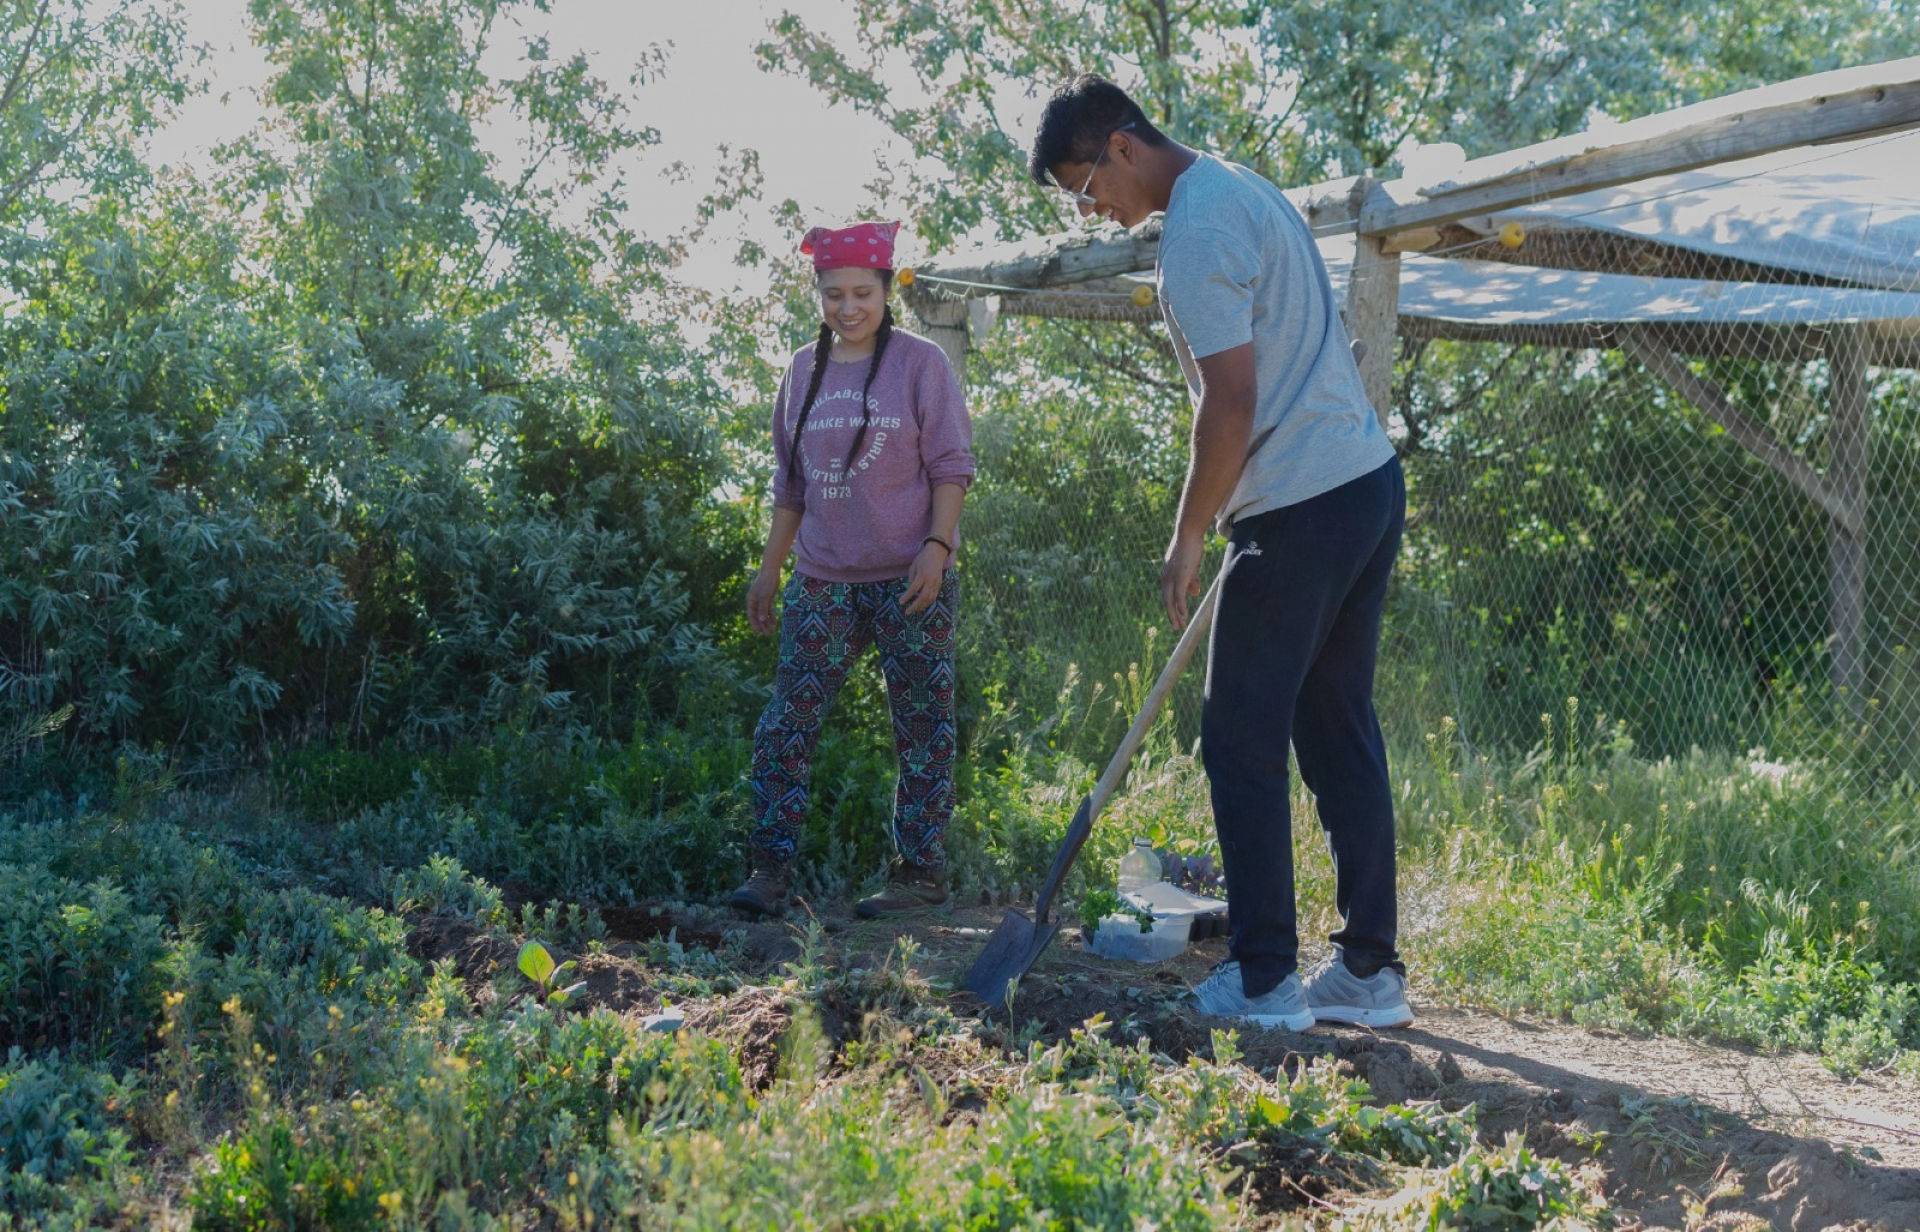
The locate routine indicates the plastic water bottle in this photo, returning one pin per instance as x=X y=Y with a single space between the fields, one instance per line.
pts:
x=1139 y=868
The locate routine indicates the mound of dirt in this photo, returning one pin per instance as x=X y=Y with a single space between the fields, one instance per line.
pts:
x=477 y=954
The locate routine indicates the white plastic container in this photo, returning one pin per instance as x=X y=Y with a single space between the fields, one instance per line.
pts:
x=1205 y=917
x=1170 y=900
x=1119 y=936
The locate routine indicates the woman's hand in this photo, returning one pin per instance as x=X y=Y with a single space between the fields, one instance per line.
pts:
x=766 y=584
x=928 y=570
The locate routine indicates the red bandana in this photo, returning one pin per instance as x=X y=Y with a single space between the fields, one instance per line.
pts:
x=866 y=245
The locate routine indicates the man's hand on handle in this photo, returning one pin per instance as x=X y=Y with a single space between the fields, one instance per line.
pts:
x=1180 y=578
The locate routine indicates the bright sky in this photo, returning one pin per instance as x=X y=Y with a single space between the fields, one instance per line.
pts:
x=713 y=94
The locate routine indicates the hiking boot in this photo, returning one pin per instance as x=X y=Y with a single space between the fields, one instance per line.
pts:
x=769 y=888
x=1336 y=994
x=1224 y=996
x=910 y=887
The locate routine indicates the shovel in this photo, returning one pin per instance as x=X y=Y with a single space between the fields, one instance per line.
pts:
x=1018 y=941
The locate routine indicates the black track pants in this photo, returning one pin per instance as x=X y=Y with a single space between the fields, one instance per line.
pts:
x=1292 y=660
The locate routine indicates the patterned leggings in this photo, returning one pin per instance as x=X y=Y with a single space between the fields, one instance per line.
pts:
x=824 y=627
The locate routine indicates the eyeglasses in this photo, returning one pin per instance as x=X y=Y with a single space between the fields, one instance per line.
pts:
x=1080 y=196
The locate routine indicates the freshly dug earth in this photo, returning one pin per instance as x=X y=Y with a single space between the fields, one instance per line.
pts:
x=1690 y=1135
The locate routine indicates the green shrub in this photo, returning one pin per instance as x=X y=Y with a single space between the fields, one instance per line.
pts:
x=847 y=1155
x=1220 y=1102
x=248 y=490
x=607 y=852
x=495 y=1121
x=1500 y=1190
x=80 y=968
x=1223 y=1104
x=442 y=887
x=568 y=924
x=564 y=816
x=1816 y=998
x=193 y=882
x=1421 y=1135
x=1048 y=1153
x=360 y=850
x=313 y=975
x=1714 y=852
x=1685 y=894
x=62 y=1126
x=1090 y=1057
x=329 y=783
x=539 y=1070
x=282 y=1172
x=322 y=944
x=1516 y=933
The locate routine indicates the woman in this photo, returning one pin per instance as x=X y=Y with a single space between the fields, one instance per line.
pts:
x=873 y=450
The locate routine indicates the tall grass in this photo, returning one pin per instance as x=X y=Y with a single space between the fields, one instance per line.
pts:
x=1706 y=892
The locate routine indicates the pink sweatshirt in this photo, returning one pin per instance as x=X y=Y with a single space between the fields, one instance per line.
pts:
x=866 y=522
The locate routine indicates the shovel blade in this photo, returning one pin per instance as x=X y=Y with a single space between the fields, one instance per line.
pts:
x=1011 y=950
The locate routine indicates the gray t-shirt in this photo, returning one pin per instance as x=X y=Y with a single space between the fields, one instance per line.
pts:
x=1238 y=264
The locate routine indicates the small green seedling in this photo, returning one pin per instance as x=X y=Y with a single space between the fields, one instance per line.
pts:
x=538 y=965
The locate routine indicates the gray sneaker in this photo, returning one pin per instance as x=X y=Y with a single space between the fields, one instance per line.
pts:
x=1336 y=994
x=1222 y=995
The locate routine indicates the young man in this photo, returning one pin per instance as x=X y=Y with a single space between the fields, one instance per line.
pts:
x=1290 y=460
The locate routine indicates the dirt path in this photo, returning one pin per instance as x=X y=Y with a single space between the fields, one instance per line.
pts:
x=1691 y=1135
x=1683 y=1119
x=1790 y=1093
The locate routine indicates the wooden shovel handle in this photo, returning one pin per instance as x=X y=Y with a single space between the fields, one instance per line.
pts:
x=1082 y=824
x=1190 y=638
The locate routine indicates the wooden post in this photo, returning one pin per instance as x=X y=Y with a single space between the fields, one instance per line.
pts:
x=1373 y=308
x=1847 y=480
x=945 y=323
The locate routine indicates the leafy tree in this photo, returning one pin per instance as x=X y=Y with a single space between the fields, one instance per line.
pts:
x=79 y=81
x=371 y=432
x=1300 y=91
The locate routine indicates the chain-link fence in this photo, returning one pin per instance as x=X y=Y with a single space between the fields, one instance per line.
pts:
x=1580 y=529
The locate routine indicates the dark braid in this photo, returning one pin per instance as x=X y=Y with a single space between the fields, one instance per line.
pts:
x=866 y=416
x=822 y=351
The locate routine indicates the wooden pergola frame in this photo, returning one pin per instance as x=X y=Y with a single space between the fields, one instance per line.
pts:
x=962 y=297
